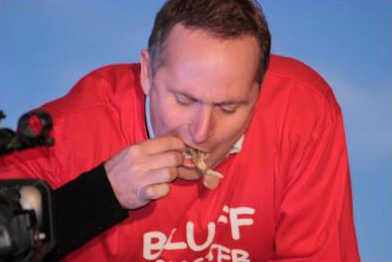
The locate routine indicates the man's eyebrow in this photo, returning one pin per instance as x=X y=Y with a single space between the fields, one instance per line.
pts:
x=184 y=93
x=232 y=102
x=223 y=103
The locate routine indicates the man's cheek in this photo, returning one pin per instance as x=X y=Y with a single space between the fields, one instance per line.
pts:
x=174 y=124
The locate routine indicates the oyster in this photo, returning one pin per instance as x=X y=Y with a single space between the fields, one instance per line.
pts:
x=211 y=178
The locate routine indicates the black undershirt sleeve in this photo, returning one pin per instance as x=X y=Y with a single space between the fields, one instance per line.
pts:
x=82 y=209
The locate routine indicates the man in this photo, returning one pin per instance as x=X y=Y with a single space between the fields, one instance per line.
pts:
x=276 y=138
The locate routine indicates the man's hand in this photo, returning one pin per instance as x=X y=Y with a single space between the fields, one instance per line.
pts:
x=142 y=172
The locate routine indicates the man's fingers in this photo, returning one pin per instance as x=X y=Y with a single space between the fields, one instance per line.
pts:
x=167 y=159
x=161 y=175
x=153 y=192
x=188 y=174
x=142 y=172
x=159 y=145
x=158 y=183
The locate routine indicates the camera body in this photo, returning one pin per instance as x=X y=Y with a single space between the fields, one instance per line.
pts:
x=26 y=229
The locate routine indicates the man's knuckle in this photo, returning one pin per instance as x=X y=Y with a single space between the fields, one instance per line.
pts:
x=135 y=149
x=174 y=158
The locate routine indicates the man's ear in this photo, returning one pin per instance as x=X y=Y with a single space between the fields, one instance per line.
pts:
x=145 y=73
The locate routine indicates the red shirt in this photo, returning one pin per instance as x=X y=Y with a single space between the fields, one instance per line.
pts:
x=286 y=196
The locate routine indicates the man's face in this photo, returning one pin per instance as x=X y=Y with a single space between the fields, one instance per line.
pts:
x=205 y=90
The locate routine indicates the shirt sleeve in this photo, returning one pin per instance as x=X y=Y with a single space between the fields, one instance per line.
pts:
x=314 y=218
x=83 y=208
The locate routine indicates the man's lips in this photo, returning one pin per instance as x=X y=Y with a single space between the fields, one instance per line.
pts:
x=188 y=162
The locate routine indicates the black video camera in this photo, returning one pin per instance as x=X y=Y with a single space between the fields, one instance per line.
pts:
x=26 y=229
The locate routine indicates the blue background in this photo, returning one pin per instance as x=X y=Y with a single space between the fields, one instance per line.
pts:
x=46 y=46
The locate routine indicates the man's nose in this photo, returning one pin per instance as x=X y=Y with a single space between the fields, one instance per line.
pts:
x=202 y=125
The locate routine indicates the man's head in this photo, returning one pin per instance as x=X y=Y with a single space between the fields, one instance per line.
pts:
x=203 y=69
x=224 y=19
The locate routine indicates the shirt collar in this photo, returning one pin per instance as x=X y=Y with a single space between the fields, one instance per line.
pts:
x=234 y=149
x=148 y=118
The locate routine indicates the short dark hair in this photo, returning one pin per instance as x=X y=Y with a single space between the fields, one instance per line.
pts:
x=226 y=19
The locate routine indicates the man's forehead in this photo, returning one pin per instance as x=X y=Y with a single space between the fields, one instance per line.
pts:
x=190 y=40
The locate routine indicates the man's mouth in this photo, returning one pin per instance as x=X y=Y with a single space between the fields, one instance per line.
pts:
x=188 y=162
x=195 y=159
